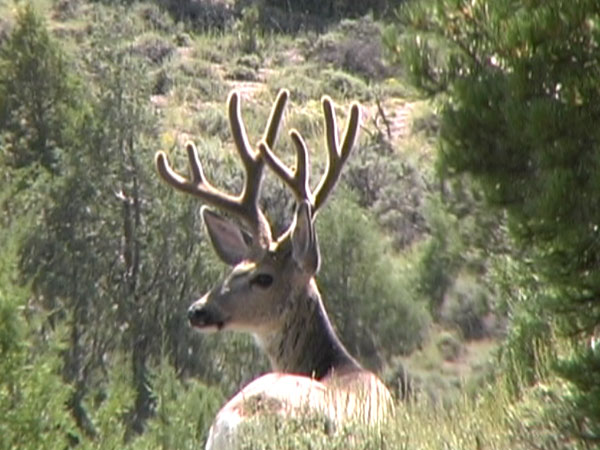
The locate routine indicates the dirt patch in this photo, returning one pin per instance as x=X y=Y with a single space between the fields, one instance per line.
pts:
x=248 y=90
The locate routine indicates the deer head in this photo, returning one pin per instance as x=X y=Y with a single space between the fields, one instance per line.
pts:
x=269 y=275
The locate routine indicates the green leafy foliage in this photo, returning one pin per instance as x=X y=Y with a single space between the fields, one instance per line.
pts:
x=442 y=255
x=354 y=46
x=366 y=288
x=184 y=412
x=33 y=412
x=392 y=187
x=36 y=110
x=518 y=84
x=89 y=253
x=107 y=260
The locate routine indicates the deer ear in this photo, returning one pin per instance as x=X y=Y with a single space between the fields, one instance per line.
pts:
x=305 y=248
x=227 y=237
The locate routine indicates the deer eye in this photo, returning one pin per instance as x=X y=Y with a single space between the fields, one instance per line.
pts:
x=263 y=280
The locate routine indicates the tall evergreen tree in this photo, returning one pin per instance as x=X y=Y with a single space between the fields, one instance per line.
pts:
x=107 y=253
x=35 y=106
x=518 y=84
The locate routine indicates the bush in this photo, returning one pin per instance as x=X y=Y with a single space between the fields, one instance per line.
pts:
x=163 y=82
x=252 y=61
x=246 y=30
x=33 y=396
x=368 y=290
x=38 y=97
x=336 y=9
x=354 y=46
x=442 y=255
x=155 y=17
x=242 y=73
x=213 y=122
x=341 y=85
x=202 y=15
x=153 y=48
x=392 y=187
x=184 y=412
x=302 y=82
x=198 y=79
x=465 y=305
x=449 y=346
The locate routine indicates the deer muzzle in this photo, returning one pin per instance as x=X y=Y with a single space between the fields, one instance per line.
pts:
x=203 y=317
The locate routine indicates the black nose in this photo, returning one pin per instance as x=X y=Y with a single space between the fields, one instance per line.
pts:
x=197 y=316
x=201 y=316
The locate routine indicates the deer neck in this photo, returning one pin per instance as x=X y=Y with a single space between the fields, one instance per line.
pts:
x=306 y=343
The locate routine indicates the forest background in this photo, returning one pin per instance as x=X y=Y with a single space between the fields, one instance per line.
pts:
x=460 y=252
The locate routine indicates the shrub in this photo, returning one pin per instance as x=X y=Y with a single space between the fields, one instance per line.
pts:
x=242 y=73
x=252 y=61
x=449 y=346
x=341 y=85
x=369 y=291
x=154 y=17
x=302 y=82
x=213 y=122
x=465 y=305
x=202 y=15
x=354 y=46
x=399 y=380
x=442 y=255
x=198 y=79
x=309 y=82
x=184 y=412
x=33 y=396
x=153 y=48
x=336 y=9
x=66 y=9
x=38 y=95
x=392 y=187
x=163 y=82
x=246 y=30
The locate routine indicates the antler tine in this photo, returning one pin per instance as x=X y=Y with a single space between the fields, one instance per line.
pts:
x=275 y=117
x=253 y=164
x=200 y=187
x=297 y=179
x=245 y=206
x=252 y=160
x=337 y=155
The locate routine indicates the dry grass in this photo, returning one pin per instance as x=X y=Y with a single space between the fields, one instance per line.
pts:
x=491 y=420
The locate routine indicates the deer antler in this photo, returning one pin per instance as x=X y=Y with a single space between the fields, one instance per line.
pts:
x=297 y=179
x=245 y=205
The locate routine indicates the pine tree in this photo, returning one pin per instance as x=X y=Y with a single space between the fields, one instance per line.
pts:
x=35 y=106
x=518 y=84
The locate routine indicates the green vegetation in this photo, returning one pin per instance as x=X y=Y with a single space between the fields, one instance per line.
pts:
x=517 y=85
x=459 y=254
x=31 y=385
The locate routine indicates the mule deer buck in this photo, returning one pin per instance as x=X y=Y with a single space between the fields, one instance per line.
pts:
x=271 y=292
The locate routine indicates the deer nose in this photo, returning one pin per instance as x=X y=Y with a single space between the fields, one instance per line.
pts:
x=201 y=317
x=197 y=316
